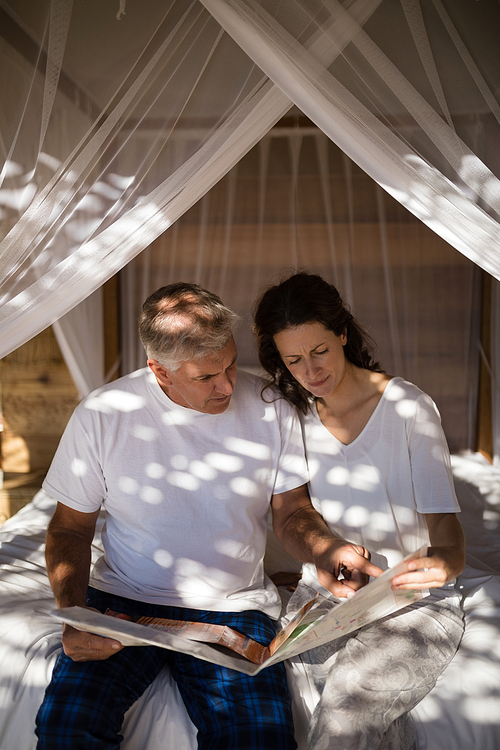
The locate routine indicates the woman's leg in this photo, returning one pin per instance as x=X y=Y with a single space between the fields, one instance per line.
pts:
x=380 y=674
x=370 y=679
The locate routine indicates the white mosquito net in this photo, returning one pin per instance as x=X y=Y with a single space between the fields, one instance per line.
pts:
x=221 y=141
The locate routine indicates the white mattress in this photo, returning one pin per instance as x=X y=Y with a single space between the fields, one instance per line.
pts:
x=461 y=713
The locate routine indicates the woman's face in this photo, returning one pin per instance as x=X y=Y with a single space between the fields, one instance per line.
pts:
x=314 y=355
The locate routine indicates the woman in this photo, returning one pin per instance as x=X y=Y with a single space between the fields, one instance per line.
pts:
x=380 y=476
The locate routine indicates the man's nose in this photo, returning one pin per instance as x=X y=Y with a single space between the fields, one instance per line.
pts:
x=225 y=384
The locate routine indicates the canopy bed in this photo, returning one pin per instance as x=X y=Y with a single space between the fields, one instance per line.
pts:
x=222 y=141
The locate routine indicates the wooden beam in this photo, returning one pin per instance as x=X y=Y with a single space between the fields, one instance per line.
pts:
x=485 y=406
x=111 y=325
x=29 y=48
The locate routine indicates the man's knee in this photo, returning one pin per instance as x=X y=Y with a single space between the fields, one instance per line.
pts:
x=85 y=702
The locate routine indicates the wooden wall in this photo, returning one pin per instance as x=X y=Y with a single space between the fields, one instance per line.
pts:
x=37 y=398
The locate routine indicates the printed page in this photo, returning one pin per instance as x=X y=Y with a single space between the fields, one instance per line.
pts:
x=372 y=602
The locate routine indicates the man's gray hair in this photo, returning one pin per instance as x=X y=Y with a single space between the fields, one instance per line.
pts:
x=183 y=321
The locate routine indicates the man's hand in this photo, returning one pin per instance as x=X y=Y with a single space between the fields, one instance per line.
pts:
x=305 y=535
x=349 y=561
x=82 y=646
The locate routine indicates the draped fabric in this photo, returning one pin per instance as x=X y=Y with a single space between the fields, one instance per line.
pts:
x=118 y=118
x=107 y=150
x=400 y=122
x=295 y=200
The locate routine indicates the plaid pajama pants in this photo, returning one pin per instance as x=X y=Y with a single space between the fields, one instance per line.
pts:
x=85 y=703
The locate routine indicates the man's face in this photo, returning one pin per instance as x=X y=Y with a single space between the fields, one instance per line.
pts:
x=205 y=384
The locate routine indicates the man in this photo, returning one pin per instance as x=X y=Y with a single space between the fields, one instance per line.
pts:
x=185 y=467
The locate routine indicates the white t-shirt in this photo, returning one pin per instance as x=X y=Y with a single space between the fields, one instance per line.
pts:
x=186 y=494
x=374 y=491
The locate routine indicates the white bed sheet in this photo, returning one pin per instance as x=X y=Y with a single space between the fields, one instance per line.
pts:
x=461 y=713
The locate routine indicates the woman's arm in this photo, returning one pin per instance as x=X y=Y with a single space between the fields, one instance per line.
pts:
x=445 y=557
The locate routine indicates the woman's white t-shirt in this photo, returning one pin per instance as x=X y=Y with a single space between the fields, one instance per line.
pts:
x=374 y=491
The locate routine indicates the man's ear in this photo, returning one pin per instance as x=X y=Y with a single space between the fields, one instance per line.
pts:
x=161 y=373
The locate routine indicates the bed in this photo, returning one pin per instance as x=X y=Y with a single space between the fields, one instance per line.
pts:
x=461 y=713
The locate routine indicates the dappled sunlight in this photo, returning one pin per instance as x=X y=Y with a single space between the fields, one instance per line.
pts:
x=361 y=477
x=141 y=432
x=114 y=400
x=482 y=710
x=235 y=549
x=224 y=463
x=78 y=467
x=356 y=516
x=338 y=475
x=29 y=639
x=464 y=210
x=466 y=701
x=103 y=149
x=183 y=480
x=485 y=643
x=17 y=199
x=247 y=448
x=155 y=471
x=462 y=711
x=152 y=495
x=202 y=470
x=244 y=487
x=368 y=490
x=191 y=572
x=163 y=558
x=186 y=417
x=180 y=471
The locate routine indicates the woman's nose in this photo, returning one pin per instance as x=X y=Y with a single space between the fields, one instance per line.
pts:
x=311 y=367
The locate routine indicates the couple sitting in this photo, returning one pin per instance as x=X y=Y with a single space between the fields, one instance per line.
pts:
x=186 y=456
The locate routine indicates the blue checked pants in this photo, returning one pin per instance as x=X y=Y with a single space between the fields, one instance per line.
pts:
x=85 y=703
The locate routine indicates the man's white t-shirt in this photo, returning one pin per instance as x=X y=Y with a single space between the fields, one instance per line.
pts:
x=374 y=491
x=186 y=494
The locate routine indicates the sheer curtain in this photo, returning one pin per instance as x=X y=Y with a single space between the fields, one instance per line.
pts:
x=414 y=127
x=112 y=129
x=118 y=130
x=295 y=200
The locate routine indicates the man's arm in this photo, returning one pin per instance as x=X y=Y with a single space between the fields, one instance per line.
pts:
x=305 y=535
x=68 y=558
x=445 y=559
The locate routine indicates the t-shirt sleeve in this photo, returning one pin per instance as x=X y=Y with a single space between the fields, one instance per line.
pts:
x=430 y=460
x=292 y=466
x=75 y=476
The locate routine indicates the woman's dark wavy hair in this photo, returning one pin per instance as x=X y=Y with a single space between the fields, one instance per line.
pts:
x=306 y=298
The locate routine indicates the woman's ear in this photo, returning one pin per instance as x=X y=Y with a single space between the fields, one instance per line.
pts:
x=343 y=338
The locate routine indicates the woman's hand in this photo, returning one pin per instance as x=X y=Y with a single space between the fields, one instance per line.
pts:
x=445 y=558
